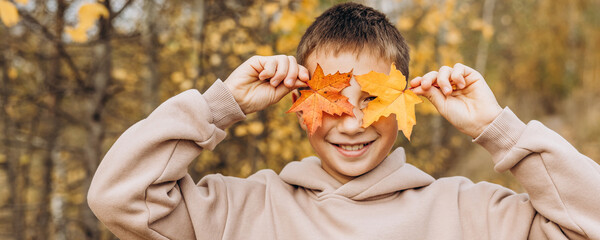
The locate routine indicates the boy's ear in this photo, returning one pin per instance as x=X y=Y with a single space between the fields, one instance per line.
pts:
x=295 y=96
x=301 y=121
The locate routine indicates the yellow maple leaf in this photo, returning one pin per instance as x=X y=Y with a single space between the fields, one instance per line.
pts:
x=391 y=97
x=8 y=13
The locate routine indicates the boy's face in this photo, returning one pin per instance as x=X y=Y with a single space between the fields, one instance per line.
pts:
x=346 y=149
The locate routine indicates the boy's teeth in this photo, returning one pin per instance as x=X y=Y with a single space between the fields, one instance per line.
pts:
x=352 y=147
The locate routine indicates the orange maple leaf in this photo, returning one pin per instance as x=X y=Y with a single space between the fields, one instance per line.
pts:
x=323 y=97
x=391 y=97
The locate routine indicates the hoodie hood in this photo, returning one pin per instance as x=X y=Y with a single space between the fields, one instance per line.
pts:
x=391 y=175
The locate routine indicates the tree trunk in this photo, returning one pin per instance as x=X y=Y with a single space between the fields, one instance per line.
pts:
x=483 y=48
x=150 y=43
x=101 y=80
x=50 y=189
x=12 y=158
x=198 y=49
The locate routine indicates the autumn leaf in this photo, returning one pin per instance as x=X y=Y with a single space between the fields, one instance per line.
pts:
x=77 y=34
x=323 y=97
x=391 y=97
x=88 y=14
x=8 y=13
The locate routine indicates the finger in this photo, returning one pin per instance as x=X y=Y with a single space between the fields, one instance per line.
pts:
x=428 y=80
x=457 y=76
x=269 y=65
x=435 y=96
x=471 y=75
x=282 y=69
x=299 y=84
x=303 y=74
x=281 y=91
x=416 y=82
x=443 y=80
x=418 y=90
x=292 y=73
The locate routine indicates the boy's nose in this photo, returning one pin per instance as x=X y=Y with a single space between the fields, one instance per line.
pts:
x=351 y=124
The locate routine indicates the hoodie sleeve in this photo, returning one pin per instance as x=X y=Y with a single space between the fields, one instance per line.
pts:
x=562 y=184
x=142 y=190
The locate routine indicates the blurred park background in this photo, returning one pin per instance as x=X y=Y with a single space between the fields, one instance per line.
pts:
x=74 y=74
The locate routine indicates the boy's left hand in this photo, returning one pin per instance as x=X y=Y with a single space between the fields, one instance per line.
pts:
x=470 y=106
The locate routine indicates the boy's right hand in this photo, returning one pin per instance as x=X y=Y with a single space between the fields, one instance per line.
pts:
x=264 y=80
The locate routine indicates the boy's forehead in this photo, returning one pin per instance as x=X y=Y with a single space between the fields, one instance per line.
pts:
x=358 y=63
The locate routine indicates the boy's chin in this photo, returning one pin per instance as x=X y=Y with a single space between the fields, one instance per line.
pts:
x=356 y=171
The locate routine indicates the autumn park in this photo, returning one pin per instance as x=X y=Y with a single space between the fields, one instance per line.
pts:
x=75 y=74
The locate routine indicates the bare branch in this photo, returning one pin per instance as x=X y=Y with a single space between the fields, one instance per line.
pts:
x=58 y=43
x=59 y=112
x=117 y=13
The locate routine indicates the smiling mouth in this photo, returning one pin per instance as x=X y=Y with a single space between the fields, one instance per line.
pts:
x=353 y=147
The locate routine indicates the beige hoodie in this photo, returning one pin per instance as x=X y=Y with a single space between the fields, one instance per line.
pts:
x=141 y=189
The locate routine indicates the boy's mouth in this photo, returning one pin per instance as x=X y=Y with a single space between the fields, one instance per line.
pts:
x=353 y=147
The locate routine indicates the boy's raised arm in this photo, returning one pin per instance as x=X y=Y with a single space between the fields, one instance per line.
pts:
x=142 y=190
x=562 y=184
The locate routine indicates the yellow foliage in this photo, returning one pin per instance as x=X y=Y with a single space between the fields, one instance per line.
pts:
x=8 y=13
x=245 y=170
x=24 y=159
x=13 y=73
x=226 y=25
x=449 y=55
x=453 y=37
x=191 y=71
x=287 y=22
x=287 y=43
x=264 y=50
x=487 y=31
x=431 y=22
x=270 y=8
x=88 y=14
x=214 y=59
x=240 y=131
x=177 y=77
x=405 y=23
x=233 y=61
x=119 y=73
x=426 y=108
x=250 y=21
x=244 y=48
x=76 y=34
x=22 y=1
x=4 y=190
x=214 y=39
x=75 y=175
x=185 y=85
x=255 y=128
x=476 y=24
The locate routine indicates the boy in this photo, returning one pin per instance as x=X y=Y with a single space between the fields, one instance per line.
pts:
x=354 y=190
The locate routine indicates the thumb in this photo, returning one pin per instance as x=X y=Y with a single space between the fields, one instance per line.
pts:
x=281 y=91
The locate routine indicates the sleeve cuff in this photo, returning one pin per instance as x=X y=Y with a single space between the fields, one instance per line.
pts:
x=223 y=107
x=501 y=135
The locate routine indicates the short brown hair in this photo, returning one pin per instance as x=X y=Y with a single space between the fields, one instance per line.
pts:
x=355 y=27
